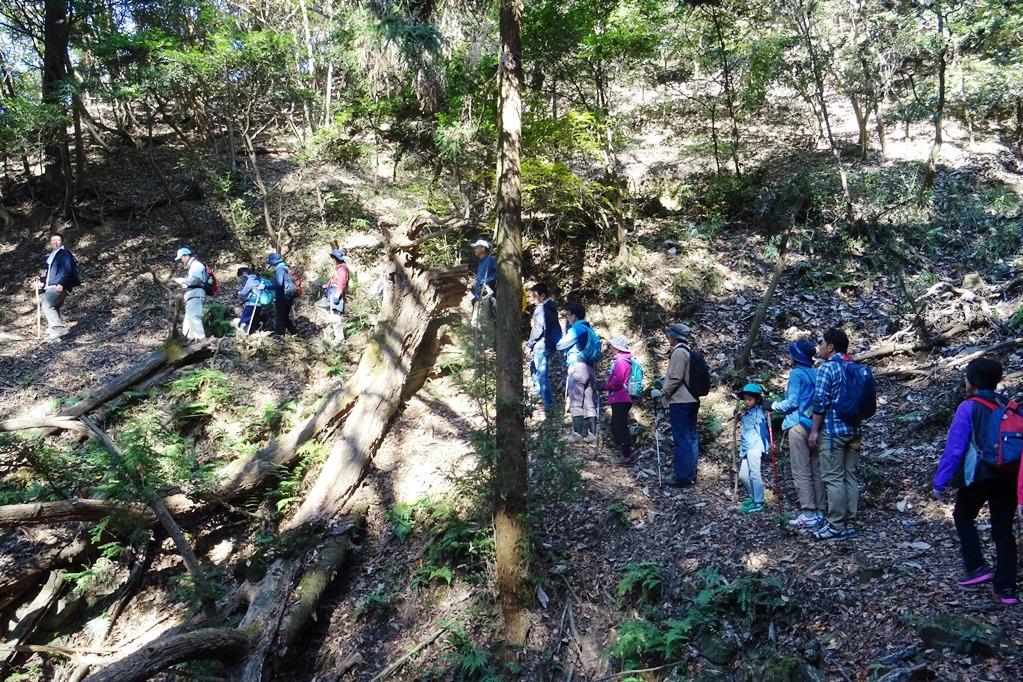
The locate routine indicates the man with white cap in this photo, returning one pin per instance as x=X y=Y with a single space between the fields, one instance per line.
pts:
x=194 y=284
x=484 y=313
x=682 y=408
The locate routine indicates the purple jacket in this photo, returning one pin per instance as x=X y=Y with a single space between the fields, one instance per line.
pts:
x=618 y=381
x=960 y=465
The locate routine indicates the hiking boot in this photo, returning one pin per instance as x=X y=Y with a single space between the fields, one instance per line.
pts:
x=829 y=532
x=807 y=520
x=753 y=509
x=590 y=438
x=676 y=483
x=574 y=437
x=1005 y=595
x=848 y=533
x=975 y=577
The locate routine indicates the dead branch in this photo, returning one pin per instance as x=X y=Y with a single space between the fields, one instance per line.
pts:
x=48 y=422
x=17 y=579
x=894 y=348
x=66 y=511
x=957 y=361
x=222 y=644
x=389 y=670
x=37 y=610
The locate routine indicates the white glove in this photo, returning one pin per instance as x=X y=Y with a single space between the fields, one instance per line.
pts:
x=656 y=393
x=180 y=280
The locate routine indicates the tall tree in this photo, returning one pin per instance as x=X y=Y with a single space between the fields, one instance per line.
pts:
x=56 y=35
x=511 y=476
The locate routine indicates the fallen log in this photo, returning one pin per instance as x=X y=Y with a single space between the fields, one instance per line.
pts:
x=222 y=644
x=15 y=580
x=956 y=361
x=37 y=610
x=47 y=422
x=885 y=350
x=66 y=511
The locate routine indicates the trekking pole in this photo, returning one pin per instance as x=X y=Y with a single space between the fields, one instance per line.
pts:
x=774 y=462
x=252 y=316
x=39 y=315
x=657 y=440
x=735 y=453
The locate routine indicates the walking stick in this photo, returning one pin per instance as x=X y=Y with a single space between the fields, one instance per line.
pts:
x=774 y=462
x=735 y=458
x=39 y=315
x=252 y=316
x=657 y=441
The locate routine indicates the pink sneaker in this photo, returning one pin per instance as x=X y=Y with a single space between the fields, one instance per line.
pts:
x=1006 y=595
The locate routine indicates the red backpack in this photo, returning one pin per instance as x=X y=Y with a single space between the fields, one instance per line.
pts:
x=999 y=441
x=210 y=285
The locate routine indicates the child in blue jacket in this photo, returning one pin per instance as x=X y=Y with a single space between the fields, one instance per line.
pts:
x=753 y=444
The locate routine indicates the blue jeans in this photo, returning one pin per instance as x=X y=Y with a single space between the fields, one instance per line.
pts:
x=538 y=370
x=687 y=445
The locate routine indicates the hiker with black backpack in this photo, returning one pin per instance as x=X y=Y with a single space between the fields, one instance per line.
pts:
x=196 y=283
x=797 y=406
x=285 y=292
x=982 y=461
x=623 y=383
x=56 y=281
x=843 y=398
x=581 y=345
x=685 y=382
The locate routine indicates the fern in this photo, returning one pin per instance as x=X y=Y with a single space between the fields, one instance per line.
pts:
x=643 y=580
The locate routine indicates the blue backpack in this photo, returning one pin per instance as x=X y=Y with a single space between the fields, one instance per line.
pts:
x=591 y=351
x=857 y=396
x=999 y=438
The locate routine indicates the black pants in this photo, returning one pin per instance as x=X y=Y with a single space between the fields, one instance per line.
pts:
x=620 y=426
x=282 y=315
x=1000 y=495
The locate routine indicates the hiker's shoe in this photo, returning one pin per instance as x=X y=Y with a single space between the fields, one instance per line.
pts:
x=590 y=438
x=978 y=576
x=829 y=532
x=807 y=520
x=574 y=437
x=746 y=504
x=848 y=533
x=676 y=483
x=628 y=459
x=753 y=509
x=1006 y=595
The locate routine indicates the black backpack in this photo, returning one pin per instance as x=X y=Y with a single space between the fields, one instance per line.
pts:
x=699 y=374
x=75 y=278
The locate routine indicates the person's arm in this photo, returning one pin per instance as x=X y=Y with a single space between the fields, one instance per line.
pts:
x=279 y=279
x=956 y=445
x=250 y=284
x=492 y=272
x=536 y=330
x=567 y=339
x=792 y=391
x=618 y=376
x=821 y=402
x=677 y=364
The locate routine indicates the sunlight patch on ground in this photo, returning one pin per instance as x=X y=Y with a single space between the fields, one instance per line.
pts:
x=756 y=561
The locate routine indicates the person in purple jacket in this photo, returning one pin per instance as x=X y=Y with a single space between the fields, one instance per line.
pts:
x=979 y=483
x=617 y=386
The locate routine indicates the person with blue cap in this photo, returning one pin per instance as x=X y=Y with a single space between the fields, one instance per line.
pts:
x=753 y=443
x=797 y=407
x=331 y=306
x=194 y=283
x=285 y=291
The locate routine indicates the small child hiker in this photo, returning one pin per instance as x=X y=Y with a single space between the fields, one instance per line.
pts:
x=970 y=464
x=618 y=396
x=753 y=443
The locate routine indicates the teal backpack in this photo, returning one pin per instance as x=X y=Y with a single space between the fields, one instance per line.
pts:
x=635 y=384
x=591 y=351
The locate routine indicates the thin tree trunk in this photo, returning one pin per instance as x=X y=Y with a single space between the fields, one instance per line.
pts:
x=729 y=94
x=939 y=110
x=758 y=317
x=1019 y=126
x=882 y=133
x=714 y=136
x=511 y=535
x=862 y=114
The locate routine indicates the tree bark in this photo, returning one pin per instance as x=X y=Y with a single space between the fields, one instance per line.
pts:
x=729 y=92
x=939 y=109
x=208 y=643
x=882 y=134
x=36 y=611
x=16 y=579
x=758 y=318
x=56 y=34
x=511 y=535
x=68 y=511
x=862 y=114
x=1019 y=126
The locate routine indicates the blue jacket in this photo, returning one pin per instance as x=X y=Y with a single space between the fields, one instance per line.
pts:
x=545 y=327
x=754 y=437
x=486 y=273
x=573 y=341
x=279 y=271
x=60 y=271
x=257 y=290
x=798 y=396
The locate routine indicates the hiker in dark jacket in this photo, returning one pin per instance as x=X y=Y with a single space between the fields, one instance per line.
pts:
x=56 y=282
x=980 y=483
x=542 y=344
x=284 y=295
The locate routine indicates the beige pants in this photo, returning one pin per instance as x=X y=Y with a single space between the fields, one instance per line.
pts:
x=806 y=471
x=839 y=457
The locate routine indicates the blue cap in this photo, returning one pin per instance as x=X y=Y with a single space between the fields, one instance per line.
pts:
x=274 y=258
x=183 y=251
x=753 y=389
x=802 y=351
x=337 y=254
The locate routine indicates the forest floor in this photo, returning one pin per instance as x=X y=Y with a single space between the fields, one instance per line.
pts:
x=761 y=601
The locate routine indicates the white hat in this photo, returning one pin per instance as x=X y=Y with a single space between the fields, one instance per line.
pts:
x=481 y=242
x=183 y=251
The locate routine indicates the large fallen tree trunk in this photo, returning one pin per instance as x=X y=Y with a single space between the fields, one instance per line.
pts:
x=894 y=348
x=207 y=643
x=67 y=511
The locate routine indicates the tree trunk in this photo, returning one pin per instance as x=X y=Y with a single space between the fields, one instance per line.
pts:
x=511 y=482
x=67 y=511
x=19 y=577
x=1019 y=126
x=939 y=109
x=758 y=317
x=862 y=114
x=209 y=643
x=56 y=34
x=882 y=133
x=729 y=93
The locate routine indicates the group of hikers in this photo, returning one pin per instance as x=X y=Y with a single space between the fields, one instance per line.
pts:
x=257 y=294
x=822 y=409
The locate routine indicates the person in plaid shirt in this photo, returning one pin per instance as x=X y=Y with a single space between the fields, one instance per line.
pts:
x=839 y=442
